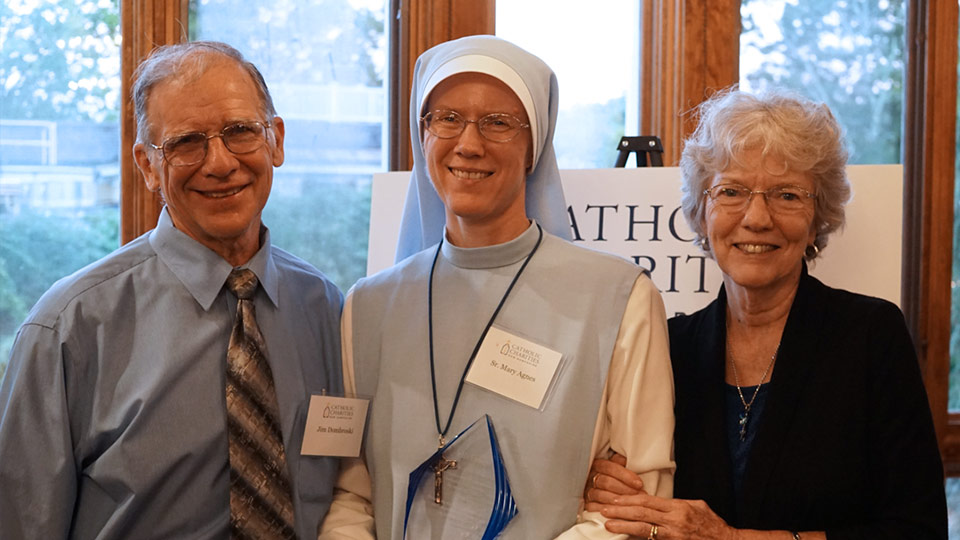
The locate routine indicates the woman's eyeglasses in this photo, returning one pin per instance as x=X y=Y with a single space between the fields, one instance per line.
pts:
x=779 y=199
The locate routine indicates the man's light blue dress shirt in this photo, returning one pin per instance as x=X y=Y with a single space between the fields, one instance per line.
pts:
x=112 y=412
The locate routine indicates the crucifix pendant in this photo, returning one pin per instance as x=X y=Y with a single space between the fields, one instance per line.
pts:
x=441 y=465
x=744 y=416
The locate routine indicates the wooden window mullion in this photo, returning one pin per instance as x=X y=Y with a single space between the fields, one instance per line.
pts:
x=145 y=25
x=689 y=50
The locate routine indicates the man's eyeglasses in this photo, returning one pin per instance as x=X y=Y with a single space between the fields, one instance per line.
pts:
x=191 y=148
x=496 y=127
x=779 y=199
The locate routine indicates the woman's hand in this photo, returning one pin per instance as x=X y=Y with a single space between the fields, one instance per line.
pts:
x=610 y=478
x=674 y=518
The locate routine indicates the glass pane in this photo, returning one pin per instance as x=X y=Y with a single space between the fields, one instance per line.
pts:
x=59 y=146
x=847 y=54
x=594 y=53
x=325 y=64
x=953 y=403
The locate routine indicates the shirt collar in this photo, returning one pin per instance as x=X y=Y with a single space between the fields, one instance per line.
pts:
x=202 y=271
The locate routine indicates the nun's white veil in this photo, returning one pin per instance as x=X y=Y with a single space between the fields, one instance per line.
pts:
x=535 y=85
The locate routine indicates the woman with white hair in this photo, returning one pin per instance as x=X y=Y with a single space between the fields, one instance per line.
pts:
x=800 y=411
x=489 y=282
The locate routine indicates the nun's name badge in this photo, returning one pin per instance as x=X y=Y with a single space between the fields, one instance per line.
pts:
x=514 y=367
x=334 y=426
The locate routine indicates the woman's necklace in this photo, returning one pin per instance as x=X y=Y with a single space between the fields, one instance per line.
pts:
x=745 y=415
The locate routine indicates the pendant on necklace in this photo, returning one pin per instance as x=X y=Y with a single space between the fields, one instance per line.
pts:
x=441 y=465
x=744 y=416
x=438 y=468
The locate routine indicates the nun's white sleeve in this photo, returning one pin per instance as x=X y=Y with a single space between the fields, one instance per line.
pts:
x=351 y=513
x=636 y=412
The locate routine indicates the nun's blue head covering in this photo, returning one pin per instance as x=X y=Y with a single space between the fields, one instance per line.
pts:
x=535 y=85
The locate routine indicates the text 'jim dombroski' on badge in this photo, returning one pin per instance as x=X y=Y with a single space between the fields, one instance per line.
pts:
x=514 y=367
x=334 y=426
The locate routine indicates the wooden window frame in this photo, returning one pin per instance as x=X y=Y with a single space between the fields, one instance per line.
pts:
x=929 y=164
x=145 y=24
x=689 y=49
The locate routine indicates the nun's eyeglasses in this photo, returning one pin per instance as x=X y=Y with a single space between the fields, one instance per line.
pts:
x=496 y=127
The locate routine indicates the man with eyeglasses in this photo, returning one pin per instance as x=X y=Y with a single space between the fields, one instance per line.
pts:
x=162 y=392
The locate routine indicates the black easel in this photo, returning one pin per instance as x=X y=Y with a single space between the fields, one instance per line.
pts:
x=649 y=151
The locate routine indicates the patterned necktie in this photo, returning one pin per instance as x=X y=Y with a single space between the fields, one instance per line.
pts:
x=260 y=502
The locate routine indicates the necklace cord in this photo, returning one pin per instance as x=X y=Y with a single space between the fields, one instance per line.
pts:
x=476 y=348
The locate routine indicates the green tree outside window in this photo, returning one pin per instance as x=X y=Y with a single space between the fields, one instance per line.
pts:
x=59 y=145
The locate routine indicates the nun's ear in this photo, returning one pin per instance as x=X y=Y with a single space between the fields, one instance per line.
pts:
x=529 y=158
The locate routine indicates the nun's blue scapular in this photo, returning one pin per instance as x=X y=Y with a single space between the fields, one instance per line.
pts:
x=614 y=389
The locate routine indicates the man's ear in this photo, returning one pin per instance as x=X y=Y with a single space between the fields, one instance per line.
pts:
x=151 y=175
x=278 y=132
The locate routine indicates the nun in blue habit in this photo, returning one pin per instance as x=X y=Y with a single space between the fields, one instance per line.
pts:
x=493 y=323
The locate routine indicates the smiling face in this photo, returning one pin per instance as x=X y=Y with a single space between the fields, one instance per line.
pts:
x=218 y=201
x=756 y=249
x=481 y=182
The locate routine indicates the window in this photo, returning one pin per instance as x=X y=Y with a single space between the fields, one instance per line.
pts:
x=594 y=53
x=325 y=65
x=849 y=55
x=59 y=147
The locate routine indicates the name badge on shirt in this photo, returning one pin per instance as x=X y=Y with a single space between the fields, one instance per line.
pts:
x=514 y=367
x=334 y=426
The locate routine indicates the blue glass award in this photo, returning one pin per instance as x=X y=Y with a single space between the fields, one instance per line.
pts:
x=462 y=490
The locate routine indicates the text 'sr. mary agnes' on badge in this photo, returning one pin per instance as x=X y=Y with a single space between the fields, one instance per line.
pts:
x=513 y=367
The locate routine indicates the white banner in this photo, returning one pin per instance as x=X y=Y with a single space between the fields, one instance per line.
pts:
x=635 y=213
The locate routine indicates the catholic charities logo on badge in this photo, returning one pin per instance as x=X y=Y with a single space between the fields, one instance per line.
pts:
x=338 y=412
x=520 y=353
x=334 y=426
x=513 y=367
